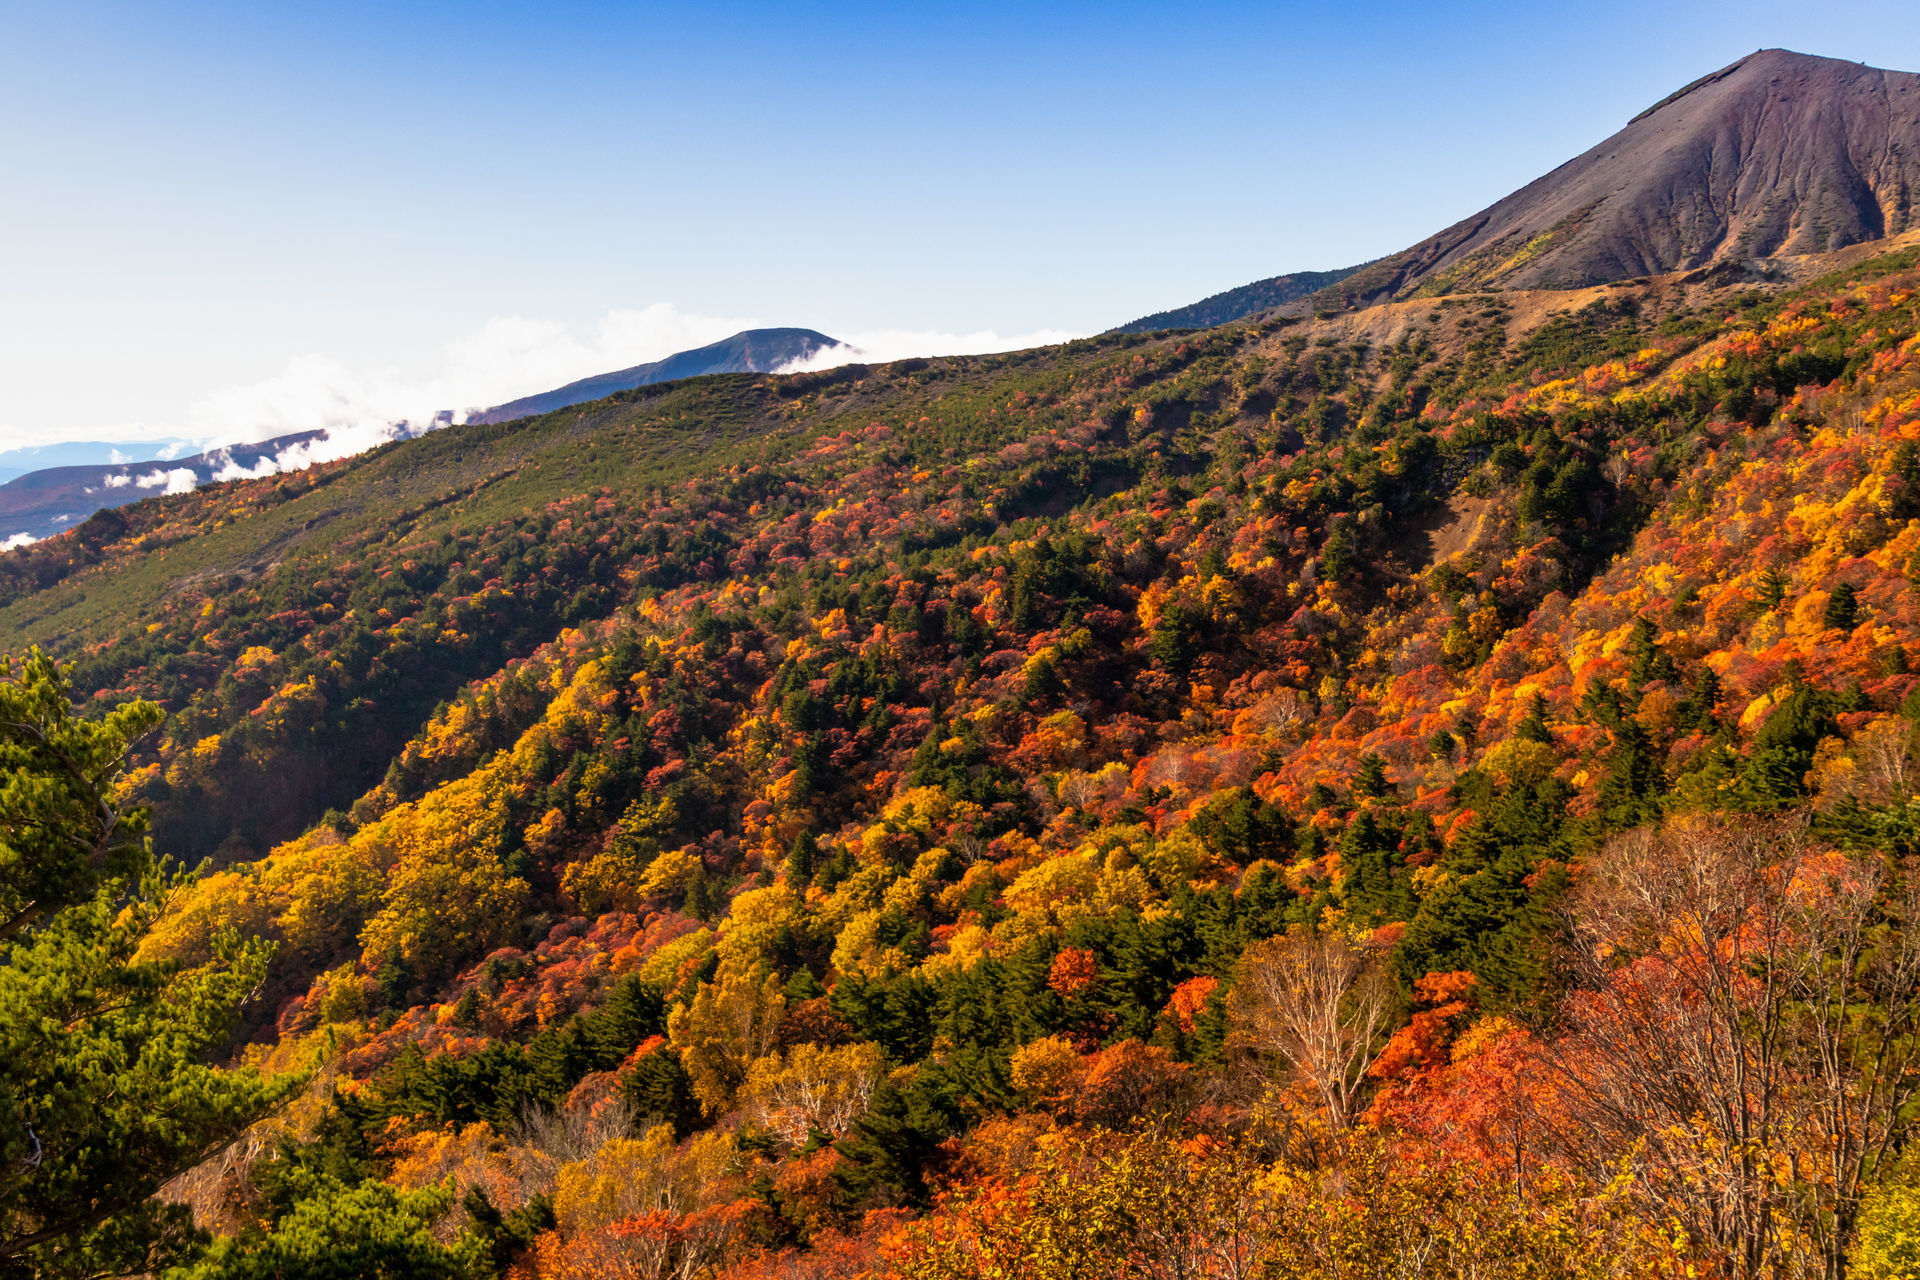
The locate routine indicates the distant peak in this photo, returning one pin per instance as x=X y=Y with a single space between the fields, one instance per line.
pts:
x=749 y=351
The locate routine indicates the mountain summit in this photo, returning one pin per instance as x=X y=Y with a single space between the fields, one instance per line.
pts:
x=1779 y=153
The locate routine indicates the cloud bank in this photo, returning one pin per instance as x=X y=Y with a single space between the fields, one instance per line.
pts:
x=508 y=357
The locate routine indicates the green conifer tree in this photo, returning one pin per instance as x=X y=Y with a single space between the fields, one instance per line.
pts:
x=1843 y=608
x=105 y=1093
x=800 y=859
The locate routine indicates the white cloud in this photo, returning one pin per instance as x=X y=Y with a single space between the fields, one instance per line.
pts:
x=116 y=457
x=17 y=540
x=178 y=480
x=232 y=470
x=120 y=481
x=506 y=358
x=882 y=345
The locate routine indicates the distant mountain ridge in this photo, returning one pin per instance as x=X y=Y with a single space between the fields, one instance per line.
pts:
x=1780 y=153
x=1248 y=299
x=82 y=453
x=750 y=351
x=43 y=502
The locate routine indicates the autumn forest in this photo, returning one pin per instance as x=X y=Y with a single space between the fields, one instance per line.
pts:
x=1428 y=789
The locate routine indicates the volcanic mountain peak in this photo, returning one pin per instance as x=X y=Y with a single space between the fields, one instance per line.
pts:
x=1780 y=153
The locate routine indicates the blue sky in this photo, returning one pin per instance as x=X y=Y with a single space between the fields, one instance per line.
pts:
x=227 y=219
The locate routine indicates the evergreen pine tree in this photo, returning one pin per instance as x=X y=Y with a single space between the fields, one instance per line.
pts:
x=836 y=869
x=633 y=1011
x=699 y=900
x=1534 y=727
x=883 y=1160
x=1772 y=589
x=1371 y=781
x=1698 y=711
x=1629 y=794
x=800 y=859
x=1337 y=553
x=1776 y=768
x=105 y=1093
x=1646 y=661
x=803 y=986
x=1843 y=608
x=1377 y=885
x=659 y=1088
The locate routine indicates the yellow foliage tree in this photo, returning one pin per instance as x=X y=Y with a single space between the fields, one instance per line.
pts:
x=732 y=1020
x=450 y=895
x=1046 y=1068
x=617 y=875
x=626 y=1176
x=812 y=1087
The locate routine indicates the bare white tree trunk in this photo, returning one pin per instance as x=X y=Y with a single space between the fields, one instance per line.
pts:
x=1321 y=1004
x=1744 y=1021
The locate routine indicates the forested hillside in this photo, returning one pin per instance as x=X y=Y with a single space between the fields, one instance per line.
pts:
x=1435 y=782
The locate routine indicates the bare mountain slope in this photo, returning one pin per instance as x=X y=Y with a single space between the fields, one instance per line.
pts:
x=1780 y=153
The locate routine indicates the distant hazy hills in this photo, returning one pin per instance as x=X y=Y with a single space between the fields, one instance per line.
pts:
x=53 y=499
x=1780 y=153
x=75 y=480
x=752 y=351
x=81 y=453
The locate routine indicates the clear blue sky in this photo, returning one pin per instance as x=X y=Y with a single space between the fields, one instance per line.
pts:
x=197 y=194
